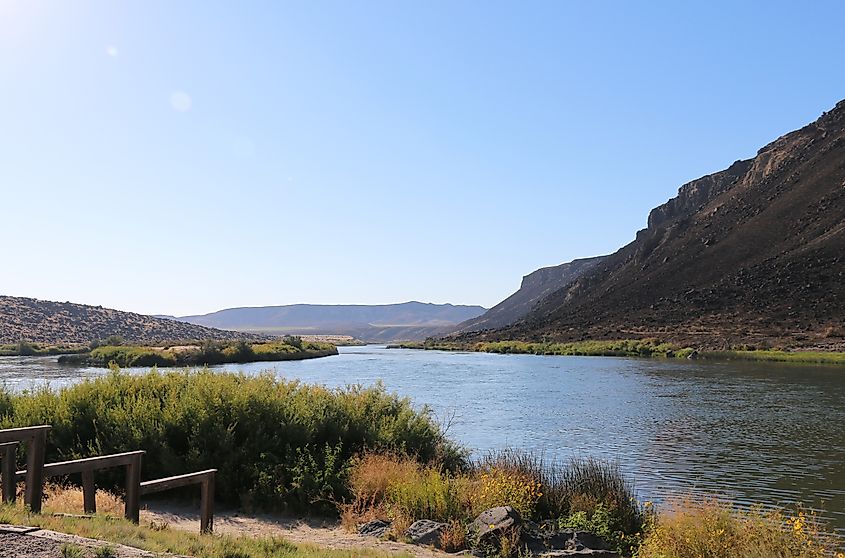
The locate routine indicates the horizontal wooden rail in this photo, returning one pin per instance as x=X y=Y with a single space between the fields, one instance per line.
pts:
x=206 y=481
x=130 y=459
x=88 y=464
x=22 y=434
x=7 y=470
x=35 y=438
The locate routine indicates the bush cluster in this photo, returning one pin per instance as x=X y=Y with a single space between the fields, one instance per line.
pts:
x=275 y=443
x=206 y=353
x=586 y=492
x=715 y=530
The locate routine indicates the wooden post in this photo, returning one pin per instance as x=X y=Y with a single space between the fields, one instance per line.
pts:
x=35 y=470
x=133 y=488
x=207 y=504
x=89 y=492
x=8 y=471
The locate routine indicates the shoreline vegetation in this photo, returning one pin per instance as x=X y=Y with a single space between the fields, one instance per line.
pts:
x=364 y=454
x=646 y=348
x=202 y=354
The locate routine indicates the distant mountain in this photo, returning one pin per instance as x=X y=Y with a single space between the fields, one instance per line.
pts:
x=42 y=321
x=535 y=286
x=753 y=254
x=375 y=323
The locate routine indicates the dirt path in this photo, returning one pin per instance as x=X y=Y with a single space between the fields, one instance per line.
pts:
x=32 y=542
x=320 y=533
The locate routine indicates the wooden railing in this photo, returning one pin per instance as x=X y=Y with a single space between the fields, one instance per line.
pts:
x=36 y=439
x=37 y=471
x=131 y=460
x=206 y=481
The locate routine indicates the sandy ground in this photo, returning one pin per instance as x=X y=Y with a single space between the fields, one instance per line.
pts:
x=318 y=532
x=31 y=542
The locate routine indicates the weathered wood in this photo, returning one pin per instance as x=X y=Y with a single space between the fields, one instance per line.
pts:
x=35 y=451
x=207 y=504
x=35 y=437
x=206 y=481
x=133 y=486
x=22 y=434
x=159 y=485
x=89 y=492
x=7 y=470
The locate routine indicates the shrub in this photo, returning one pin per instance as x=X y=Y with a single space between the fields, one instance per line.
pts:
x=275 y=443
x=503 y=487
x=400 y=488
x=715 y=530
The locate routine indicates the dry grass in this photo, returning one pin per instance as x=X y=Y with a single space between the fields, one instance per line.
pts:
x=711 y=529
x=64 y=499
x=454 y=537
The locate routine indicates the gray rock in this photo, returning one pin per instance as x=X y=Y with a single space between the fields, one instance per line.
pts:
x=587 y=540
x=374 y=528
x=492 y=523
x=425 y=531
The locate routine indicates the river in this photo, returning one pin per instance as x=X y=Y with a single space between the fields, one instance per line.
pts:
x=751 y=432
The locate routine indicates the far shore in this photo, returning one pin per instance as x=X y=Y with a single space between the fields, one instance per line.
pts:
x=645 y=348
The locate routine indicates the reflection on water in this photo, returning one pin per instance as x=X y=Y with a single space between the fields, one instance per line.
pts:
x=755 y=432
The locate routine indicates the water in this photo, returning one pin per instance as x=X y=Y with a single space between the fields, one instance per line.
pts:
x=752 y=432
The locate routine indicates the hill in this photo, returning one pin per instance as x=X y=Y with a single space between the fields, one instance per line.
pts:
x=535 y=287
x=42 y=321
x=375 y=323
x=753 y=254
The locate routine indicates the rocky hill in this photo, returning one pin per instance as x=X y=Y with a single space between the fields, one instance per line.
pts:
x=754 y=254
x=376 y=323
x=535 y=287
x=42 y=321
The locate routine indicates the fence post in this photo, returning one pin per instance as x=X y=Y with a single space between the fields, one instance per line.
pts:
x=35 y=470
x=9 y=469
x=89 y=492
x=133 y=487
x=207 y=504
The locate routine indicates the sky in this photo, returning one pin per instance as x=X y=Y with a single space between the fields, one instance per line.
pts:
x=180 y=157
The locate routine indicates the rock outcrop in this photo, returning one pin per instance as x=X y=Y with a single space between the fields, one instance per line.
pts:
x=754 y=254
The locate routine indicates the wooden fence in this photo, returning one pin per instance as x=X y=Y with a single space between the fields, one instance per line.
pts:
x=37 y=472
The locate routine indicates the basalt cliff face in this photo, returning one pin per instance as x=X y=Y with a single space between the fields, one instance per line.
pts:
x=535 y=287
x=754 y=254
x=43 y=321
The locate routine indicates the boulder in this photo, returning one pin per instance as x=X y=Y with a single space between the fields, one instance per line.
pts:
x=587 y=540
x=546 y=537
x=374 y=528
x=425 y=531
x=491 y=524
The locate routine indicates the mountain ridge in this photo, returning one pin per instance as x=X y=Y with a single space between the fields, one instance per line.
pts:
x=411 y=320
x=752 y=254
x=45 y=321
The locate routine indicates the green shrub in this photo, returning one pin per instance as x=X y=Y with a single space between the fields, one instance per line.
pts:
x=275 y=443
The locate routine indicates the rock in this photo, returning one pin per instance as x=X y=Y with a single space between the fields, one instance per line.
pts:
x=587 y=540
x=546 y=536
x=425 y=531
x=492 y=523
x=374 y=528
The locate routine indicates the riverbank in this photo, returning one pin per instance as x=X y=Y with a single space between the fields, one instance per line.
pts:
x=647 y=348
x=25 y=348
x=208 y=353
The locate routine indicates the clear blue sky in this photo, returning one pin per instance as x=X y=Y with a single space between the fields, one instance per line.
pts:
x=181 y=157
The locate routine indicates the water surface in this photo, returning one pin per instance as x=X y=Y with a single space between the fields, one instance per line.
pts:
x=753 y=432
